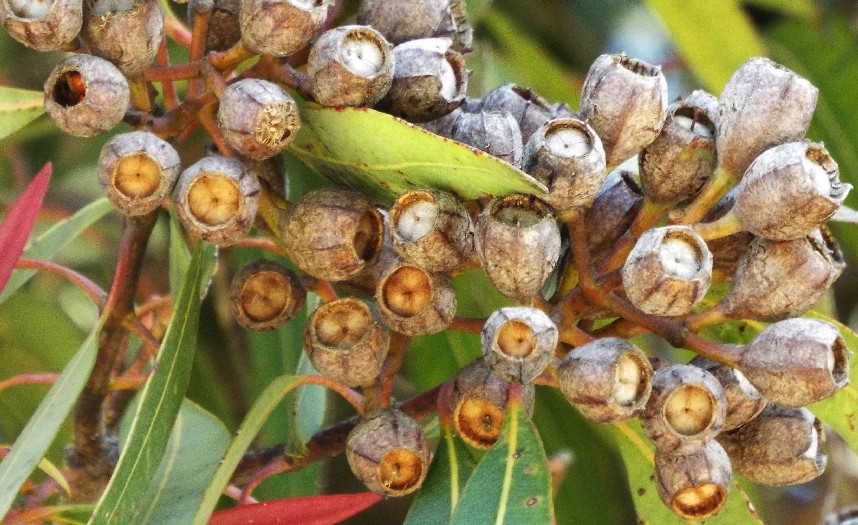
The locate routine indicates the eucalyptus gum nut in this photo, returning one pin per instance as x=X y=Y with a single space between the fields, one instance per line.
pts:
x=687 y=408
x=216 y=199
x=272 y=173
x=86 y=95
x=257 y=118
x=607 y=380
x=332 y=234
x=528 y=109
x=518 y=242
x=346 y=341
x=562 y=110
x=43 y=28
x=443 y=126
x=496 y=133
x=567 y=156
x=264 y=295
x=137 y=171
x=782 y=446
x=280 y=27
x=431 y=229
x=744 y=401
x=406 y=20
x=126 y=32
x=789 y=191
x=613 y=210
x=797 y=362
x=727 y=251
x=518 y=342
x=694 y=485
x=389 y=453
x=844 y=516
x=624 y=100
x=414 y=301
x=478 y=401
x=668 y=271
x=224 y=29
x=762 y=105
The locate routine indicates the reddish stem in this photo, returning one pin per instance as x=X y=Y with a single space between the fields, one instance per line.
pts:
x=95 y=292
x=28 y=379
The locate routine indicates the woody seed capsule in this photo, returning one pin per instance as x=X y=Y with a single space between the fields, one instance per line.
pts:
x=126 y=32
x=727 y=251
x=613 y=210
x=42 y=25
x=528 y=109
x=518 y=342
x=223 y=30
x=265 y=294
x=413 y=301
x=280 y=27
x=406 y=20
x=744 y=401
x=694 y=485
x=257 y=118
x=496 y=133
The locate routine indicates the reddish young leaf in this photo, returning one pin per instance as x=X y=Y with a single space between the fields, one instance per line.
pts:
x=312 y=510
x=16 y=227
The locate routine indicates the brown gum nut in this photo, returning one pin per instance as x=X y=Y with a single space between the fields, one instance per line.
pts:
x=762 y=105
x=686 y=408
x=567 y=156
x=727 y=251
x=431 y=229
x=406 y=20
x=413 y=301
x=613 y=210
x=496 y=133
x=478 y=400
x=789 y=191
x=782 y=446
x=528 y=109
x=86 y=95
x=844 y=516
x=332 y=234
x=43 y=26
x=797 y=362
x=257 y=118
x=744 y=401
x=216 y=199
x=264 y=295
x=280 y=27
x=624 y=100
x=389 y=453
x=137 y=171
x=224 y=30
x=518 y=242
x=346 y=341
x=694 y=485
x=668 y=271
x=607 y=380
x=518 y=342
x=272 y=173
x=126 y=32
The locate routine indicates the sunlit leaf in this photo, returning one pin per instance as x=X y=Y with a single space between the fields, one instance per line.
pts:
x=328 y=509
x=18 y=223
x=18 y=107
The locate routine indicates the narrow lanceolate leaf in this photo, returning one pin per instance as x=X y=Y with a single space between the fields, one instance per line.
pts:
x=638 y=454
x=159 y=405
x=18 y=107
x=511 y=485
x=41 y=429
x=18 y=223
x=312 y=510
x=384 y=156
x=450 y=469
x=180 y=259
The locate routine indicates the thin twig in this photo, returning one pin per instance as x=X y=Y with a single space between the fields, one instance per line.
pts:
x=95 y=292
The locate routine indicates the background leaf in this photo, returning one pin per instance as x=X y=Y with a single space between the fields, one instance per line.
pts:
x=18 y=223
x=328 y=509
x=18 y=107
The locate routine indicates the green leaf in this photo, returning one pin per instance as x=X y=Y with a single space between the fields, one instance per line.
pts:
x=799 y=8
x=180 y=259
x=384 y=156
x=511 y=485
x=18 y=107
x=450 y=469
x=54 y=239
x=42 y=427
x=310 y=403
x=159 y=405
x=638 y=454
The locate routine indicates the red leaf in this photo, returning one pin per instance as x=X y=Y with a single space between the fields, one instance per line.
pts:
x=312 y=510
x=16 y=227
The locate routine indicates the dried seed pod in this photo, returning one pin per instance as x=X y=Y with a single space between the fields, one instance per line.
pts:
x=406 y=20
x=686 y=409
x=694 y=485
x=431 y=229
x=280 y=27
x=607 y=380
x=789 y=191
x=518 y=342
x=272 y=173
x=762 y=105
x=224 y=29
x=624 y=99
x=518 y=242
x=126 y=32
x=668 y=271
x=265 y=294
x=257 y=118
x=429 y=80
x=332 y=234
x=216 y=198
x=567 y=156
x=478 y=400
x=562 y=110
x=727 y=251
x=797 y=362
x=137 y=171
x=496 y=133
x=389 y=453
x=413 y=301
x=744 y=401
x=847 y=516
x=443 y=126
x=86 y=95
x=528 y=109
x=779 y=447
x=346 y=341
x=613 y=210
x=43 y=26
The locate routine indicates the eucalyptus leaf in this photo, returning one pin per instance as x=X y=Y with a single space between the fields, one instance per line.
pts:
x=18 y=107
x=180 y=259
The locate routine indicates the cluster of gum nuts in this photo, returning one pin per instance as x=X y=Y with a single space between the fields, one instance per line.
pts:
x=742 y=410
